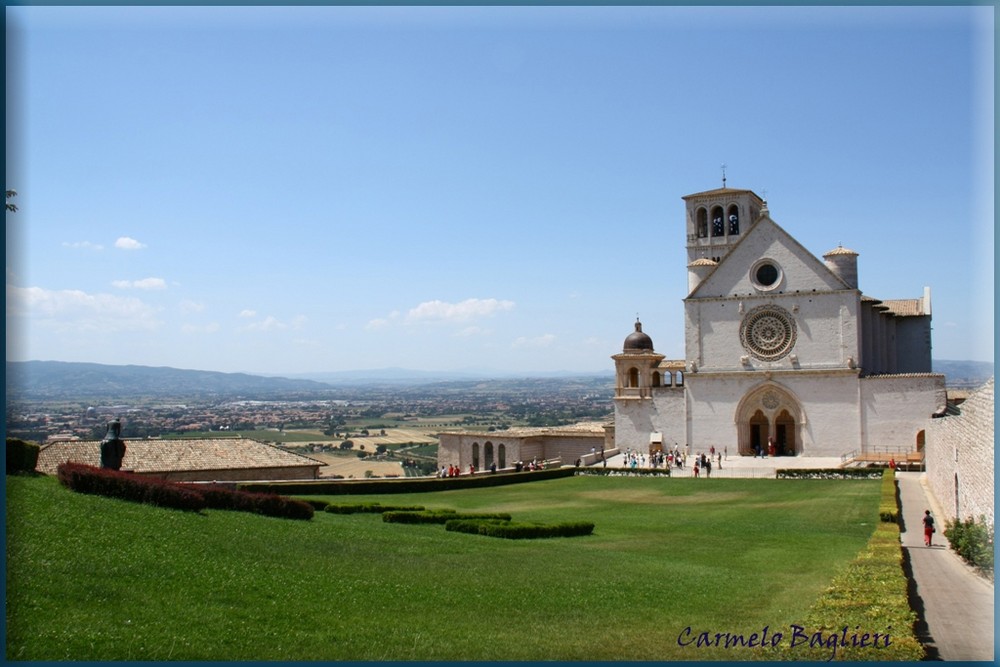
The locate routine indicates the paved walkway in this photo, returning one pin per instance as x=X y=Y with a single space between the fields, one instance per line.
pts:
x=743 y=466
x=955 y=604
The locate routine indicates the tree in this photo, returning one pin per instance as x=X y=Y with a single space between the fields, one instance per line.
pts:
x=10 y=195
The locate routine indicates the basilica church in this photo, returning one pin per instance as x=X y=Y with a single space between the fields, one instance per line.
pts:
x=783 y=351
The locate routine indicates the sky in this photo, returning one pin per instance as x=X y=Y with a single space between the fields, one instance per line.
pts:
x=316 y=189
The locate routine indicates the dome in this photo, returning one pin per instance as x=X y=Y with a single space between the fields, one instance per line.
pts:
x=637 y=341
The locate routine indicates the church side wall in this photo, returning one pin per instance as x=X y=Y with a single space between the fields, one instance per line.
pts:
x=895 y=408
x=913 y=345
x=960 y=456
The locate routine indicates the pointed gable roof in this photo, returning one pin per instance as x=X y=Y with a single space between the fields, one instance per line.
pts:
x=802 y=270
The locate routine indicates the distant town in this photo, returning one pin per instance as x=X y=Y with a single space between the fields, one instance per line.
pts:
x=299 y=414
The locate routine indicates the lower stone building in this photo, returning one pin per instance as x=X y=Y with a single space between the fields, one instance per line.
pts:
x=585 y=441
x=206 y=460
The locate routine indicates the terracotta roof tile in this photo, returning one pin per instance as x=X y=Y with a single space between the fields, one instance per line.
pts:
x=150 y=456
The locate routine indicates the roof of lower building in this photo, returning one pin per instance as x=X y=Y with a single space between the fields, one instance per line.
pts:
x=151 y=456
x=905 y=307
x=594 y=429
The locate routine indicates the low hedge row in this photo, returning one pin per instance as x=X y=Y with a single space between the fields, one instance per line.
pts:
x=338 y=487
x=370 y=508
x=870 y=597
x=21 y=456
x=829 y=473
x=972 y=539
x=518 y=530
x=440 y=516
x=126 y=486
x=888 y=507
x=624 y=472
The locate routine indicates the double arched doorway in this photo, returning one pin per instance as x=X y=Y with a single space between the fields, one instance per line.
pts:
x=769 y=421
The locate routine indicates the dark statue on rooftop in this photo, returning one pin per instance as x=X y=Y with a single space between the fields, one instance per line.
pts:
x=113 y=447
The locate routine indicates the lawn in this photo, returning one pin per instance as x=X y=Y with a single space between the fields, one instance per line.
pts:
x=92 y=578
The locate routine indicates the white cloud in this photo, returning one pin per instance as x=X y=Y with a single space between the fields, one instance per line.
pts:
x=78 y=310
x=85 y=245
x=128 y=243
x=191 y=329
x=188 y=306
x=544 y=340
x=145 y=283
x=376 y=324
x=271 y=323
x=471 y=331
x=248 y=313
x=457 y=312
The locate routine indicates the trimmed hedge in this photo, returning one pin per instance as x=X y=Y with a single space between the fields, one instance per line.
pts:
x=267 y=504
x=972 y=540
x=21 y=456
x=338 y=487
x=829 y=473
x=439 y=516
x=126 y=486
x=888 y=509
x=370 y=508
x=519 y=530
x=871 y=596
x=624 y=472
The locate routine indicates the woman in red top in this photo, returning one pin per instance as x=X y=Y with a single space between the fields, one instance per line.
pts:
x=928 y=527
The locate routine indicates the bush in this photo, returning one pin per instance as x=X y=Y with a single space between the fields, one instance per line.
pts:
x=625 y=472
x=828 y=473
x=518 y=530
x=888 y=510
x=125 y=486
x=21 y=456
x=972 y=540
x=116 y=484
x=371 y=508
x=267 y=504
x=439 y=516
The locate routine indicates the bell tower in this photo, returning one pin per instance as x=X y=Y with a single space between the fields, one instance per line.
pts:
x=718 y=219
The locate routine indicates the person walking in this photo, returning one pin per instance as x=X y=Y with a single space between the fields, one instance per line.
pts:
x=928 y=528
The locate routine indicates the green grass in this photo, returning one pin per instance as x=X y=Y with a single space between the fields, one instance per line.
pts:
x=91 y=578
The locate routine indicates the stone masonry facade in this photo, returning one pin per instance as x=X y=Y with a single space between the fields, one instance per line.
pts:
x=959 y=457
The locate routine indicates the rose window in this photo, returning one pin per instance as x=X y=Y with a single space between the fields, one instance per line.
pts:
x=768 y=333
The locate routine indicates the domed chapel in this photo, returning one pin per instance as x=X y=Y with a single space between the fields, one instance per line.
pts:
x=783 y=351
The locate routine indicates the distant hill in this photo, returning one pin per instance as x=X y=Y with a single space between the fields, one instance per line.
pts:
x=76 y=381
x=59 y=379
x=963 y=374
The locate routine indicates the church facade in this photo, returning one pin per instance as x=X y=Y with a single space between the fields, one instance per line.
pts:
x=783 y=351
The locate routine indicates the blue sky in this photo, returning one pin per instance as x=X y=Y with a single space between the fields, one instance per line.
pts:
x=312 y=189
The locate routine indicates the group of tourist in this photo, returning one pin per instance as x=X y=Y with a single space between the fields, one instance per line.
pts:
x=703 y=462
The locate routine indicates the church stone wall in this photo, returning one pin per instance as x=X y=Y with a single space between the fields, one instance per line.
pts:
x=636 y=419
x=960 y=456
x=896 y=408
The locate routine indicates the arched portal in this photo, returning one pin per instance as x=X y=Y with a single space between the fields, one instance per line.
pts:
x=633 y=377
x=501 y=455
x=488 y=453
x=475 y=455
x=769 y=411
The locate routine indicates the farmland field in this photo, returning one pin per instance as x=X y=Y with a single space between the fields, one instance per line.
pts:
x=92 y=578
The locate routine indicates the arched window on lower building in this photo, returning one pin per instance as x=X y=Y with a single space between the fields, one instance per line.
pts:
x=656 y=379
x=475 y=455
x=501 y=456
x=488 y=453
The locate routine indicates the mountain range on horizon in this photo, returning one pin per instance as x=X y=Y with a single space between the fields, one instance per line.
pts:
x=39 y=379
